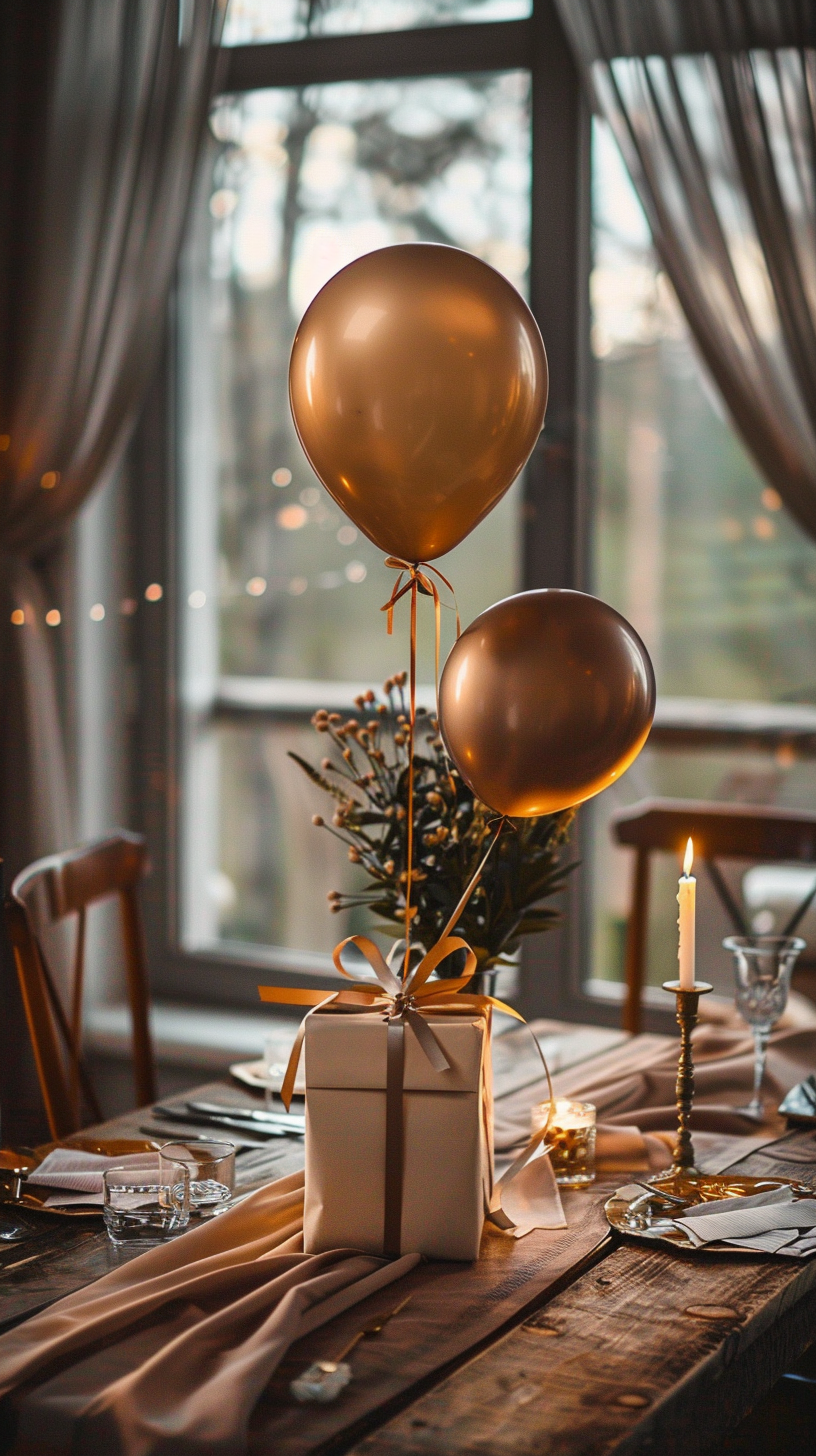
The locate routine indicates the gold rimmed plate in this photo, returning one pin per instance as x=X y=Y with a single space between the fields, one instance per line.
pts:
x=33 y=1199
x=651 y=1222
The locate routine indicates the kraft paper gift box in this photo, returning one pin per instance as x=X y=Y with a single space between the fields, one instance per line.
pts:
x=448 y=1153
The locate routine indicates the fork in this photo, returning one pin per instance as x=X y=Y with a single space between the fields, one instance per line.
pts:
x=323 y=1380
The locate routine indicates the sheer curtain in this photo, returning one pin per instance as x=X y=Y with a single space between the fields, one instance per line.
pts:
x=713 y=104
x=102 y=107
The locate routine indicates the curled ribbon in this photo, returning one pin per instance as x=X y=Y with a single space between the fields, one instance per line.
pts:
x=420 y=578
x=404 y=1003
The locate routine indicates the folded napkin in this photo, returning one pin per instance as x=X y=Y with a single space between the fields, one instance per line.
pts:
x=171 y=1351
x=76 y=1176
x=744 y=1221
x=773 y=1222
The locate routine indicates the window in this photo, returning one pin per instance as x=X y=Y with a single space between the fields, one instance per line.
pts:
x=693 y=546
x=253 y=21
x=281 y=594
x=462 y=127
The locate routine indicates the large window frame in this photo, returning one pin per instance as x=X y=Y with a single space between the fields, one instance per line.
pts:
x=554 y=524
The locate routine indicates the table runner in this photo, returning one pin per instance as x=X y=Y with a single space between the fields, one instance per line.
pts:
x=177 y=1358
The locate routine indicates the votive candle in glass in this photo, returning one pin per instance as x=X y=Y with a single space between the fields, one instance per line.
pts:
x=570 y=1139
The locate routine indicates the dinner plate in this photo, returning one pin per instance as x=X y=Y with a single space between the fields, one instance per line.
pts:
x=658 y=1228
x=254 y=1075
x=33 y=1199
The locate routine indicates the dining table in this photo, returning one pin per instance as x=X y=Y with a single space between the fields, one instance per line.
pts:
x=590 y=1342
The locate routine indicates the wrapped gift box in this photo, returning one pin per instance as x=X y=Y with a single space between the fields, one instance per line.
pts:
x=447 y=1135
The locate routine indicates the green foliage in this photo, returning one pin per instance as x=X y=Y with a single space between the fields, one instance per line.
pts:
x=368 y=776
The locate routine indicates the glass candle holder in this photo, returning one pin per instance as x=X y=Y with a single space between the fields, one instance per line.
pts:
x=570 y=1139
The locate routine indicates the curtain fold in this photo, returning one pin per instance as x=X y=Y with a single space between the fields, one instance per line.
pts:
x=103 y=104
x=713 y=105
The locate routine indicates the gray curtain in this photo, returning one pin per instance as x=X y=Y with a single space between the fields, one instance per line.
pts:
x=713 y=104
x=102 y=107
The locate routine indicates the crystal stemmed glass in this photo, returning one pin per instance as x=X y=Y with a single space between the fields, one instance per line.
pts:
x=763 y=965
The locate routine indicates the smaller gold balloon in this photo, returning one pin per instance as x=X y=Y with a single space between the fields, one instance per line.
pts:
x=545 y=700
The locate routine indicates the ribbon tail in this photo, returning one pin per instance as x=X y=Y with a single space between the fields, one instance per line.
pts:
x=288 y=1084
x=394 y=1138
x=474 y=881
x=496 y=1213
x=428 y=1040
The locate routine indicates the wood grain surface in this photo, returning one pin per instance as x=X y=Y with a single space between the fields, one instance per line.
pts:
x=650 y=1351
x=558 y=1345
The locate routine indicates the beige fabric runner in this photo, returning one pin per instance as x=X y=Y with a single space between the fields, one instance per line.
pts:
x=247 y=1292
x=633 y=1088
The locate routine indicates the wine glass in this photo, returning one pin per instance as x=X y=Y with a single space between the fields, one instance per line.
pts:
x=763 y=965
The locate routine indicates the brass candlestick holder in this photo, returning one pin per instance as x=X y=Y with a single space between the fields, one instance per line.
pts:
x=687 y=1004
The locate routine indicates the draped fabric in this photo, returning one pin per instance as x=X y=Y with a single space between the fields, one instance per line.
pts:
x=102 y=107
x=713 y=105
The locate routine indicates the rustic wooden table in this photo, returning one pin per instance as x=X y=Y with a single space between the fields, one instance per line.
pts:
x=644 y=1351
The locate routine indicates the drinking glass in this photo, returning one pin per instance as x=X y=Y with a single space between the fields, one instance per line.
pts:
x=147 y=1203
x=211 y=1166
x=763 y=965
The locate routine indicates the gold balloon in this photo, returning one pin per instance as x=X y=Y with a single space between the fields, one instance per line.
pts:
x=418 y=385
x=545 y=700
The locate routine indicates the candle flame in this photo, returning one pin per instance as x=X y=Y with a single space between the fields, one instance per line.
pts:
x=689 y=859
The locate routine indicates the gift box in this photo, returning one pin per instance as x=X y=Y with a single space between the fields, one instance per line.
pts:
x=446 y=1134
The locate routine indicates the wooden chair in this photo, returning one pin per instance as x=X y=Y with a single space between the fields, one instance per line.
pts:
x=45 y=893
x=719 y=831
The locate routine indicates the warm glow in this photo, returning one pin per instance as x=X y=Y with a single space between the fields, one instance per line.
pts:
x=50 y=479
x=689 y=859
x=53 y=618
x=18 y=617
x=154 y=592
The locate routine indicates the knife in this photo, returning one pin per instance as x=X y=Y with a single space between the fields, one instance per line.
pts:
x=281 y=1119
x=167 y=1135
x=197 y=1119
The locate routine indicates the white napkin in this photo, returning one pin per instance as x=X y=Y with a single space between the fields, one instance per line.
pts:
x=748 y=1217
x=76 y=1176
x=766 y=1223
x=532 y=1200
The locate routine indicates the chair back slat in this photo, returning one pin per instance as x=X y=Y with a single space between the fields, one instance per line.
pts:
x=41 y=1027
x=63 y=885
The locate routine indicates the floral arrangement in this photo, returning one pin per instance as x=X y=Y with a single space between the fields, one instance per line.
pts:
x=367 y=776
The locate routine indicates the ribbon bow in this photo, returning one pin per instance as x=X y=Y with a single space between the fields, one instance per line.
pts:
x=420 y=578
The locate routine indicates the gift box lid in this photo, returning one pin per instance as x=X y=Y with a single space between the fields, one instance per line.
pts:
x=349 y=1050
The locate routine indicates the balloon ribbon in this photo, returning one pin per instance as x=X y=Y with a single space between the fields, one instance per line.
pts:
x=420 y=578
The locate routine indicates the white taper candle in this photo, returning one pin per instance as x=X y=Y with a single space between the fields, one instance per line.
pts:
x=687 y=900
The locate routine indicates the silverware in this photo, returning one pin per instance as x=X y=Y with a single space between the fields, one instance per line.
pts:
x=197 y=1119
x=167 y=1135
x=660 y=1193
x=283 y=1119
x=323 y=1380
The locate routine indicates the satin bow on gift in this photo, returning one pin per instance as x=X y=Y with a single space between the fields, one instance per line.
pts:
x=406 y=1003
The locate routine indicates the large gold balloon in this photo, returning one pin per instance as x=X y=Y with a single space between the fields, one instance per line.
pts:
x=418 y=385
x=546 y=699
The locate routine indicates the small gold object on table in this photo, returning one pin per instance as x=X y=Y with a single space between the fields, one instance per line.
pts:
x=570 y=1139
